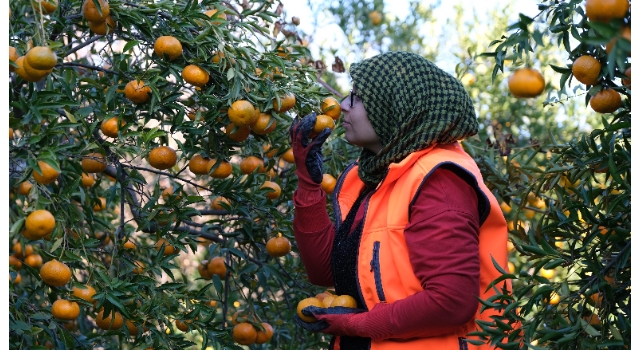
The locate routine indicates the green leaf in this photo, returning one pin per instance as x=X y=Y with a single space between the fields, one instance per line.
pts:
x=130 y=45
x=560 y=69
x=17 y=226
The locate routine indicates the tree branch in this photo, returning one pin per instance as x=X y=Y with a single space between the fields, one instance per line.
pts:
x=86 y=43
x=328 y=87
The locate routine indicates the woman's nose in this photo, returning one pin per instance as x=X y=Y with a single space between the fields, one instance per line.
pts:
x=344 y=105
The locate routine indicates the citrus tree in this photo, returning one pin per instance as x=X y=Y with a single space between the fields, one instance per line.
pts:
x=554 y=147
x=151 y=174
x=570 y=263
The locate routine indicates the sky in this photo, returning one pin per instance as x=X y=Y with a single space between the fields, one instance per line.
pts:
x=330 y=35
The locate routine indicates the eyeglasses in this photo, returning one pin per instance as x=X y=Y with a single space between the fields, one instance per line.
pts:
x=351 y=95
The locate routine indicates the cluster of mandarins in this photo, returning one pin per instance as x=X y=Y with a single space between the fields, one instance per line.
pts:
x=57 y=274
x=35 y=65
x=587 y=69
x=248 y=330
x=100 y=20
x=324 y=300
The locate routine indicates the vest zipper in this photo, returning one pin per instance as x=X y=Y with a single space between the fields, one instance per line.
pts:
x=375 y=267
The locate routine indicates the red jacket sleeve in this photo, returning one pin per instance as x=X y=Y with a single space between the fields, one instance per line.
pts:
x=314 y=233
x=442 y=237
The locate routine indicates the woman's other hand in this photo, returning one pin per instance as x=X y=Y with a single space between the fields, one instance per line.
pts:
x=308 y=154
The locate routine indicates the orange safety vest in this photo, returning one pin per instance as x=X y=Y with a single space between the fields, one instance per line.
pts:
x=383 y=244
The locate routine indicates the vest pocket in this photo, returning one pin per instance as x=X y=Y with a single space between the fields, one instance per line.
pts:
x=375 y=267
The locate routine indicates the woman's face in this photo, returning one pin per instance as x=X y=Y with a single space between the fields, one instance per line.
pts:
x=358 y=129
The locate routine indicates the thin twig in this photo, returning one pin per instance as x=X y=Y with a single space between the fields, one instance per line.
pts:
x=86 y=43
x=88 y=66
x=169 y=175
x=328 y=87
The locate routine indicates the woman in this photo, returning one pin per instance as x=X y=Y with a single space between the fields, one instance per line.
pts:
x=415 y=226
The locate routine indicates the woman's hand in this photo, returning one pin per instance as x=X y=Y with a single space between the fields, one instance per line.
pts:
x=308 y=155
x=334 y=320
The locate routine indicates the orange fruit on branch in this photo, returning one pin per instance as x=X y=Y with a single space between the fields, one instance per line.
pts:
x=375 y=17
x=199 y=165
x=243 y=114
x=217 y=58
x=195 y=75
x=35 y=73
x=278 y=246
x=182 y=325
x=287 y=102
x=22 y=71
x=288 y=156
x=586 y=69
x=46 y=6
x=33 y=260
x=132 y=328
x=168 y=248
x=625 y=32
x=168 y=46
x=94 y=163
x=40 y=223
x=331 y=107
x=216 y=203
x=15 y=262
x=606 y=101
x=65 y=309
x=526 y=83
x=13 y=56
x=87 y=180
x=129 y=245
x=305 y=303
x=213 y=14
x=136 y=91
x=627 y=82
x=328 y=183
x=275 y=193
x=55 y=273
x=553 y=299
x=102 y=28
x=216 y=266
x=606 y=10
x=237 y=133
x=24 y=188
x=109 y=322
x=244 y=333
x=269 y=151
x=41 y=58
x=91 y=12
x=139 y=267
x=17 y=279
x=86 y=293
x=102 y=205
x=17 y=250
x=204 y=272
x=162 y=157
x=264 y=124
x=251 y=163
x=110 y=127
x=264 y=336
x=223 y=170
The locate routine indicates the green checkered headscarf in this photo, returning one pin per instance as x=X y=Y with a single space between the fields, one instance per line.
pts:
x=412 y=104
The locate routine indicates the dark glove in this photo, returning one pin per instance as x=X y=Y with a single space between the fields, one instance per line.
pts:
x=334 y=320
x=308 y=155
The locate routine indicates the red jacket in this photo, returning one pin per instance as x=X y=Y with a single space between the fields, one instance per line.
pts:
x=445 y=211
